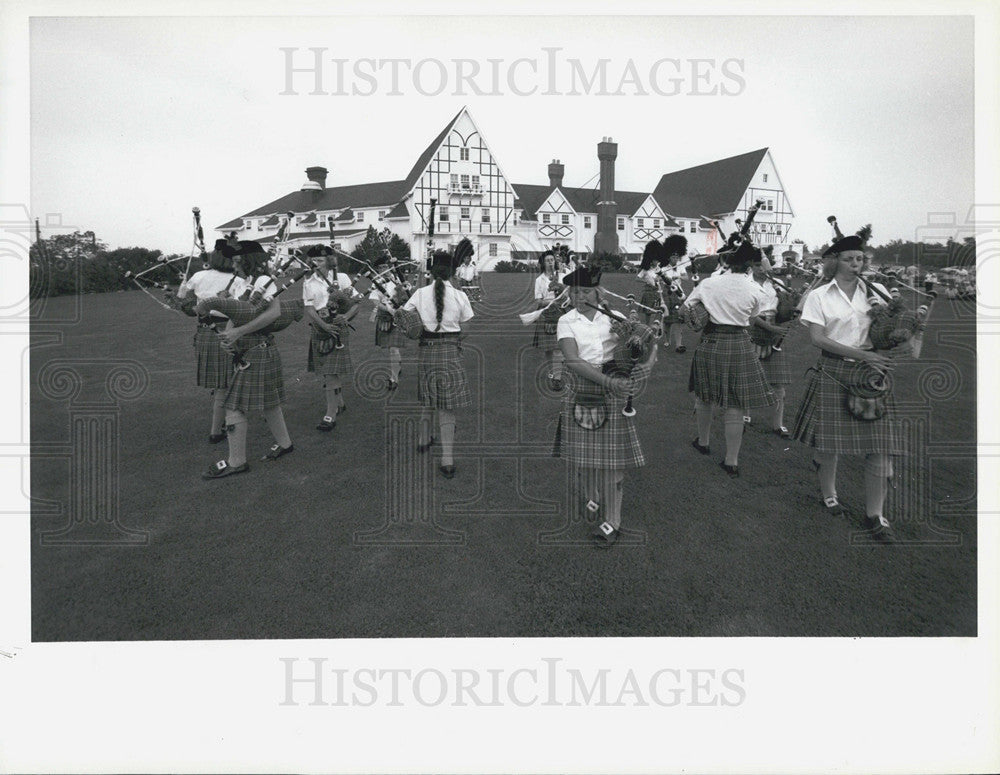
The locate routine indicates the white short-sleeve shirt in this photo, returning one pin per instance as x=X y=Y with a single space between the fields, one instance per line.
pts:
x=731 y=299
x=209 y=282
x=595 y=341
x=844 y=320
x=770 y=300
x=466 y=272
x=316 y=293
x=457 y=309
x=265 y=286
x=542 y=292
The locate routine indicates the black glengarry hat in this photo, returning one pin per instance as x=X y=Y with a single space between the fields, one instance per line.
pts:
x=583 y=277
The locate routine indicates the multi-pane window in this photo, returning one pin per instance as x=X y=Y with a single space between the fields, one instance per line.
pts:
x=442 y=213
x=656 y=223
x=360 y=216
x=621 y=224
x=546 y=218
x=493 y=248
x=381 y=215
x=486 y=215
x=765 y=177
x=463 y=154
x=322 y=221
x=465 y=213
x=565 y=219
x=475 y=181
x=640 y=222
x=454 y=180
x=768 y=204
x=465 y=182
x=586 y=222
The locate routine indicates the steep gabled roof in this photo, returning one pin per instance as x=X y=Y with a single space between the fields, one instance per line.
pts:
x=347 y=215
x=583 y=200
x=424 y=159
x=715 y=188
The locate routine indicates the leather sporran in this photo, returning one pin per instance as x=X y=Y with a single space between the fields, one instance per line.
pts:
x=868 y=391
x=590 y=411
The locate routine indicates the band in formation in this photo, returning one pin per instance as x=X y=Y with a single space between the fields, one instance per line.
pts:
x=597 y=358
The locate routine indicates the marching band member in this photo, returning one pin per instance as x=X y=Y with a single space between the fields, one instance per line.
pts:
x=593 y=434
x=257 y=388
x=777 y=370
x=547 y=287
x=467 y=272
x=836 y=314
x=335 y=364
x=214 y=364
x=726 y=372
x=674 y=250
x=649 y=279
x=387 y=334
x=442 y=385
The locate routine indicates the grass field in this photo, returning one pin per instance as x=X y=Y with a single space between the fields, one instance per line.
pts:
x=354 y=535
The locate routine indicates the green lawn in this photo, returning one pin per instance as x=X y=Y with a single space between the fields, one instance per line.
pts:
x=355 y=535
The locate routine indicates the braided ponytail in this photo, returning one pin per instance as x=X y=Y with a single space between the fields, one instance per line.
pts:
x=439 y=300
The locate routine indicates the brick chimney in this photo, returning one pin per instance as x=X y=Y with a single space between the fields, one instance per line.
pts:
x=556 y=170
x=317 y=175
x=606 y=238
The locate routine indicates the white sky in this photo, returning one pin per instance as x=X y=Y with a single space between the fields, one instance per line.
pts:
x=136 y=120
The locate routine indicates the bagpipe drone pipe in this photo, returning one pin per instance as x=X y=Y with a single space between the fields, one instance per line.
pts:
x=635 y=344
x=407 y=319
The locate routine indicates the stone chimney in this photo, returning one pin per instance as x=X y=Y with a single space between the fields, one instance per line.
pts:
x=606 y=238
x=316 y=175
x=556 y=170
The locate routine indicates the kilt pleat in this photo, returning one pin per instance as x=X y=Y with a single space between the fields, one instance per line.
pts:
x=260 y=386
x=726 y=371
x=394 y=337
x=650 y=297
x=441 y=379
x=214 y=364
x=615 y=445
x=823 y=421
x=777 y=369
x=543 y=339
x=335 y=363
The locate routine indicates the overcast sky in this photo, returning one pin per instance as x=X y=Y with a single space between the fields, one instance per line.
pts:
x=136 y=120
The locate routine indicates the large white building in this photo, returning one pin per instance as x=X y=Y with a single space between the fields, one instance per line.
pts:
x=476 y=199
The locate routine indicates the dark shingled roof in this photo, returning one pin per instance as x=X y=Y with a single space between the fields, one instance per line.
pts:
x=308 y=220
x=715 y=188
x=361 y=195
x=272 y=221
x=399 y=211
x=319 y=236
x=347 y=215
x=583 y=200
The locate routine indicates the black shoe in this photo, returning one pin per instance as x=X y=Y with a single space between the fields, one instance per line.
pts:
x=277 y=451
x=393 y=384
x=215 y=438
x=424 y=447
x=733 y=471
x=880 y=529
x=327 y=424
x=448 y=472
x=833 y=507
x=680 y=349
x=605 y=536
x=783 y=432
x=703 y=450
x=222 y=468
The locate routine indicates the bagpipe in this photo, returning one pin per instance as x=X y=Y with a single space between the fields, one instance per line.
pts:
x=635 y=344
x=407 y=319
x=339 y=303
x=742 y=233
x=893 y=323
x=788 y=311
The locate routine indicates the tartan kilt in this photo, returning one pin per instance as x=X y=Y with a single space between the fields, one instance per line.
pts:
x=823 y=421
x=215 y=365
x=726 y=371
x=650 y=297
x=441 y=379
x=542 y=339
x=394 y=337
x=335 y=363
x=615 y=445
x=260 y=386
x=777 y=369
